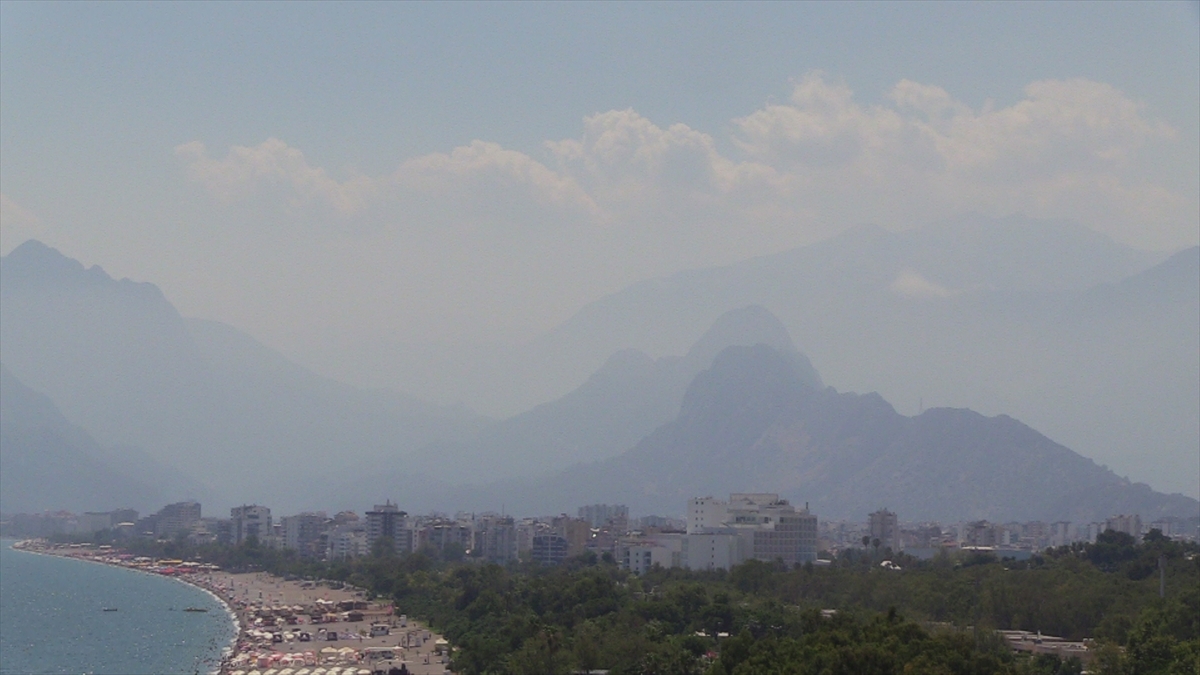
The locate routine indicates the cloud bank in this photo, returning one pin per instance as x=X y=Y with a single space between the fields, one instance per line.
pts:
x=482 y=226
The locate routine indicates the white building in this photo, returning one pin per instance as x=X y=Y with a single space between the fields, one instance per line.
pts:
x=750 y=525
x=639 y=554
x=348 y=541
x=249 y=521
x=717 y=549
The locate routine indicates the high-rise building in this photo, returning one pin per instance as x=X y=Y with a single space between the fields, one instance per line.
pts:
x=884 y=526
x=549 y=548
x=444 y=532
x=124 y=516
x=303 y=533
x=91 y=522
x=347 y=541
x=576 y=531
x=249 y=520
x=1061 y=533
x=981 y=533
x=495 y=539
x=599 y=515
x=387 y=520
x=176 y=518
x=1131 y=525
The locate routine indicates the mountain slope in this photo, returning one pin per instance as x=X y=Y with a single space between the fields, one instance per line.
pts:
x=123 y=364
x=46 y=463
x=626 y=399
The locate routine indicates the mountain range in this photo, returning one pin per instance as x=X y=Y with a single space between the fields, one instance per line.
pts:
x=218 y=416
x=1092 y=342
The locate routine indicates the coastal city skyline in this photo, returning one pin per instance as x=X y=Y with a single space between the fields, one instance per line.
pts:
x=588 y=338
x=710 y=525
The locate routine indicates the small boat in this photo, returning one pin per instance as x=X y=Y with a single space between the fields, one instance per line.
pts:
x=195 y=609
x=109 y=609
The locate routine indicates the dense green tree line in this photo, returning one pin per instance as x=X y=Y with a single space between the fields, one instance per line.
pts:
x=934 y=616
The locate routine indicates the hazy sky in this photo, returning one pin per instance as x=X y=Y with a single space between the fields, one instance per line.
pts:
x=326 y=175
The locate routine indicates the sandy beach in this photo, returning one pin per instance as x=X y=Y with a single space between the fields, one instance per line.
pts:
x=276 y=616
x=295 y=627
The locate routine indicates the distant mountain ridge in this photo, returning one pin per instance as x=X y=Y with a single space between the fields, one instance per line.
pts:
x=1090 y=341
x=752 y=424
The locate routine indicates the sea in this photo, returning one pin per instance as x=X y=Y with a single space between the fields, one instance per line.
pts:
x=52 y=620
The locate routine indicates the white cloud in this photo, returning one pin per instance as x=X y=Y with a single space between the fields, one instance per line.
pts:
x=1064 y=150
x=273 y=164
x=817 y=163
x=460 y=237
x=481 y=165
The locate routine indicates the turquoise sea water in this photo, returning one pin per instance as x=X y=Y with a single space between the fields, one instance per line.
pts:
x=52 y=620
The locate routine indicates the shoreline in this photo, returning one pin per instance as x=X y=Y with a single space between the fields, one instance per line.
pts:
x=305 y=626
x=43 y=547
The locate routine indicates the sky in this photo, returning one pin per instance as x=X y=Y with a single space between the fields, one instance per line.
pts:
x=324 y=176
